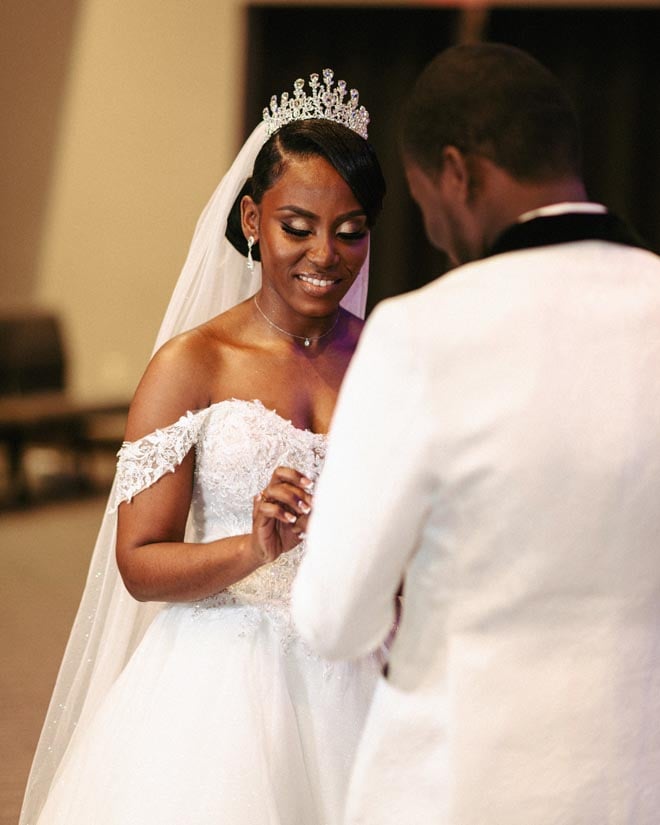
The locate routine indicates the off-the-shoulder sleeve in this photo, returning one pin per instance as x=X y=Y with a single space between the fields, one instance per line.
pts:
x=142 y=462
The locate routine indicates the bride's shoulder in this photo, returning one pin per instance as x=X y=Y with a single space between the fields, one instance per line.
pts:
x=200 y=347
x=175 y=382
x=187 y=373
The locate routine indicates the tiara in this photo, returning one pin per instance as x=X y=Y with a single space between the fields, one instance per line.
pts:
x=324 y=102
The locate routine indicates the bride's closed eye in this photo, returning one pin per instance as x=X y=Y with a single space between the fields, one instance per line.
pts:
x=348 y=234
x=298 y=233
x=352 y=236
x=353 y=230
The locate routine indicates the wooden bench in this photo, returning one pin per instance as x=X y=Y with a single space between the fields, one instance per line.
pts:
x=35 y=406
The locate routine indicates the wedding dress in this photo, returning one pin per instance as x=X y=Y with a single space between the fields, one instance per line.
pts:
x=223 y=715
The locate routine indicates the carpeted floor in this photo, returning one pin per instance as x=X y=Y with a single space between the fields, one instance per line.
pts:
x=44 y=554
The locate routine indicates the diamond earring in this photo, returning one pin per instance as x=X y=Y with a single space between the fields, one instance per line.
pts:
x=250 y=260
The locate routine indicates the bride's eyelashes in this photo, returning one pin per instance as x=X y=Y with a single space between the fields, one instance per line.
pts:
x=298 y=233
x=352 y=236
x=304 y=233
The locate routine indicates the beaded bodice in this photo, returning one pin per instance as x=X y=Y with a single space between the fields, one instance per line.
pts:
x=237 y=446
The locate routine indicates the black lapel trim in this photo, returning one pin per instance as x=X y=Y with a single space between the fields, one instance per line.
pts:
x=571 y=226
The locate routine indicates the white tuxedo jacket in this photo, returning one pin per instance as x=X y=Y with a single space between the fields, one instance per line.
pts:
x=497 y=446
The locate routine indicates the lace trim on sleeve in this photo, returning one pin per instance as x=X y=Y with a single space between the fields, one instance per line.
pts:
x=141 y=463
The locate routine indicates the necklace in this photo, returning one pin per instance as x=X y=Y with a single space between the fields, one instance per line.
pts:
x=306 y=339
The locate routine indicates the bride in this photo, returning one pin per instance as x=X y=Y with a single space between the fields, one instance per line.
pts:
x=192 y=700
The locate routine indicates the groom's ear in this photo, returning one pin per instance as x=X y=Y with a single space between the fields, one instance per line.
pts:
x=456 y=171
x=466 y=175
x=250 y=217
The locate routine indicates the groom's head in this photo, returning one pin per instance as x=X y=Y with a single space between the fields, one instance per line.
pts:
x=487 y=134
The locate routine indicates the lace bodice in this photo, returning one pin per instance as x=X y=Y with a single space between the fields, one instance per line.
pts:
x=237 y=446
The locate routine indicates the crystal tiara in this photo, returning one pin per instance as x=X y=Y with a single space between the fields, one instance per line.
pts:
x=324 y=102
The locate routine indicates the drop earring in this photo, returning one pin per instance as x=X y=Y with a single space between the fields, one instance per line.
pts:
x=250 y=260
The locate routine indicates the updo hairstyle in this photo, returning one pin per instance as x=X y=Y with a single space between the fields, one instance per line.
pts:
x=347 y=152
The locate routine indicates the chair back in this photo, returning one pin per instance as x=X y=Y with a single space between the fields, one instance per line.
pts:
x=32 y=357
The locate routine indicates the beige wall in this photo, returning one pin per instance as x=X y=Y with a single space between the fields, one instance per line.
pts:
x=35 y=45
x=151 y=119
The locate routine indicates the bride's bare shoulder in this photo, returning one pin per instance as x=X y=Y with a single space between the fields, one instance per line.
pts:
x=200 y=348
x=183 y=375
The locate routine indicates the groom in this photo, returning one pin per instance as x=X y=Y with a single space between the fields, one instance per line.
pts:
x=496 y=448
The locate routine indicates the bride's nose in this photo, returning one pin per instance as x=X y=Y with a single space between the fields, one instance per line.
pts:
x=322 y=251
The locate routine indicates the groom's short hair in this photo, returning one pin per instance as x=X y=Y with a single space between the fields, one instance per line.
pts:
x=496 y=101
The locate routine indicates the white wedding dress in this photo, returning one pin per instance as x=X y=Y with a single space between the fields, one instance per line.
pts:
x=222 y=715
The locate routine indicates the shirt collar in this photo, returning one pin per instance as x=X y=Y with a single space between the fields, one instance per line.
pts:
x=564 y=208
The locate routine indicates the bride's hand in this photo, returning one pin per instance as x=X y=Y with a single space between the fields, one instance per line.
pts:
x=279 y=515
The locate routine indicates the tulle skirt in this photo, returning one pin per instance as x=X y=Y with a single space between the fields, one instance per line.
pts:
x=221 y=716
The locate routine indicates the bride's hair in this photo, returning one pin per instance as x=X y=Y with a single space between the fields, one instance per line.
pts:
x=347 y=152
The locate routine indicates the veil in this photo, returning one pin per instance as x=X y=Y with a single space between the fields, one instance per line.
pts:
x=110 y=623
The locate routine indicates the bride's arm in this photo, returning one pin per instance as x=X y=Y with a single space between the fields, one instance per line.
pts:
x=155 y=562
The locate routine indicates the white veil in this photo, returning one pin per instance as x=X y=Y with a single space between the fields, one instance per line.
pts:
x=110 y=623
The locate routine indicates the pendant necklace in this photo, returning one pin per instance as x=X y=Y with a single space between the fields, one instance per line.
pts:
x=306 y=339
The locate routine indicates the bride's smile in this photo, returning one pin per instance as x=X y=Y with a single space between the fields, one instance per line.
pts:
x=313 y=240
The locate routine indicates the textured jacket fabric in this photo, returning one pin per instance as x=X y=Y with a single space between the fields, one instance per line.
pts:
x=497 y=446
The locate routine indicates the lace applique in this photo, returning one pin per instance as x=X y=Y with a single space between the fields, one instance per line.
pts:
x=141 y=463
x=238 y=448
x=266 y=592
x=237 y=445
